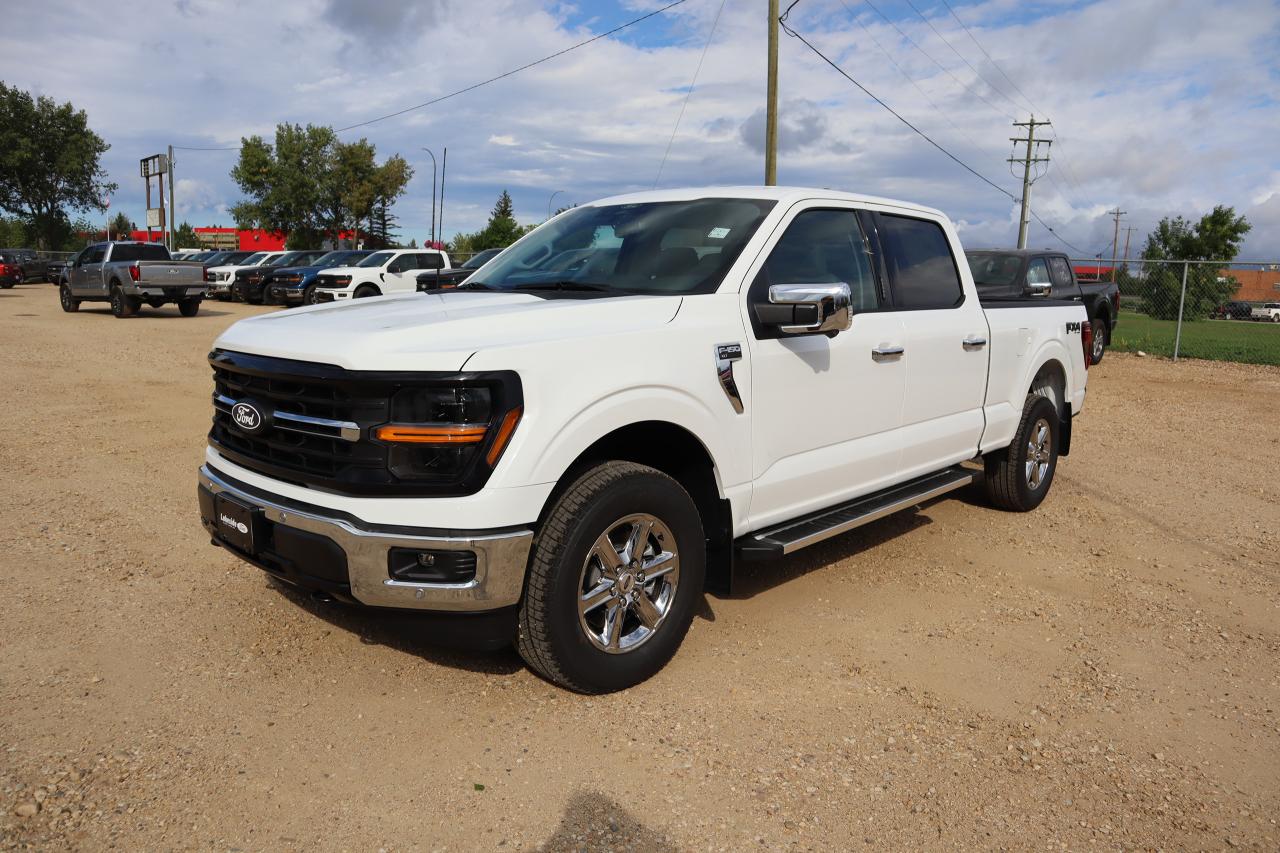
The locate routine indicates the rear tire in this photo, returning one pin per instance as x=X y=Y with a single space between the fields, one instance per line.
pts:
x=123 y=306
x=600 y=613
x=189 y=307
x=1099 y=339
x=19 y=277
x=364 y=291
x=1019 y=476
x=69 y=303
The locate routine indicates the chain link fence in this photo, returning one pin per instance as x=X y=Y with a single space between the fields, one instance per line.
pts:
x=1218 y=310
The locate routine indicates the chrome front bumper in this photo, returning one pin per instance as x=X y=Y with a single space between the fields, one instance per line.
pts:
x=501 y=558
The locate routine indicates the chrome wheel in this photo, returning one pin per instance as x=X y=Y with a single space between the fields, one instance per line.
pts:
x=1037 y=464
x=628 y=583
x=1099 y=342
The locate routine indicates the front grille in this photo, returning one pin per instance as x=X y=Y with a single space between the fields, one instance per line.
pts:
x=303 y=448
x=332 y=281
x=317 y=419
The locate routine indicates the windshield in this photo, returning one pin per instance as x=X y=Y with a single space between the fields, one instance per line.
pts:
x=654 y=247
x=994 y=270
x=480 y=259
x=377 y=259
x=253 y=259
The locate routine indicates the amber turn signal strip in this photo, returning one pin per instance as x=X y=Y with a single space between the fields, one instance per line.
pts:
x=505 y=429
x=431 y=434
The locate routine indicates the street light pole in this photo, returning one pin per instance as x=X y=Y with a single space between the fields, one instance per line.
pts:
x=433 y=196
x=553 y=198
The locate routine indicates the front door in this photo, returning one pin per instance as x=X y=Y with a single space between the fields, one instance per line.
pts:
x=86 y=277
x=824 y=410
x=947 y=345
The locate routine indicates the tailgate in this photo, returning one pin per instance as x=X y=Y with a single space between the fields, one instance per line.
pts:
x=169 y=273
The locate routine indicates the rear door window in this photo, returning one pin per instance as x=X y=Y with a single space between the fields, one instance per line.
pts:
x=96 y=255
x=921 y=267
x=1038 y=272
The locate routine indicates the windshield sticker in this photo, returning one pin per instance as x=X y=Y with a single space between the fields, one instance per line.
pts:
x=717 y=233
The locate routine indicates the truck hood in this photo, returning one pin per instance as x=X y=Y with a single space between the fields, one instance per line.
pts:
x=420 y=332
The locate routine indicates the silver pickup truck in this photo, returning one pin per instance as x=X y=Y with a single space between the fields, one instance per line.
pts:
x=130 y=275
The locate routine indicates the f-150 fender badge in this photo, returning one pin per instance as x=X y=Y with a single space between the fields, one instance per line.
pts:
x=1073 y=328
x=726 y=355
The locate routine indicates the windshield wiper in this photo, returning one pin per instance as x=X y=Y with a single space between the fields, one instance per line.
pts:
x=568 y=284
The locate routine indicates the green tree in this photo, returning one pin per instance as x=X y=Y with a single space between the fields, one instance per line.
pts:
x=121 y=227
x=49 y=161
x=1215 y=237
x=13 y=232
x=502 y=229
x=185 y=236
x=312 y=186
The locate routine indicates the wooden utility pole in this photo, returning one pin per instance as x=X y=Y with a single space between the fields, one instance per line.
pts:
x=1115 y=239
x=1128 y=232
x=1028 y=162
x=771 y=103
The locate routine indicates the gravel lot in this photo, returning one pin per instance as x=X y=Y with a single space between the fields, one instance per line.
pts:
x=1104 y=672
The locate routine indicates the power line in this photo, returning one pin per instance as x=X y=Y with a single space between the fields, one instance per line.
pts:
x=944 y=68
x=975 y=71
x=895 y=113
x=1070 y=172
x=493 y=79
x=688 y=94
x=791 y=32
x=506 y=74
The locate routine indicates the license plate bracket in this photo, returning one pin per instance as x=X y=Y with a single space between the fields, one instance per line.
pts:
x=237 y=523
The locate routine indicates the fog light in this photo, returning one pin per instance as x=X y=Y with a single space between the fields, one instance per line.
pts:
x=414 y=566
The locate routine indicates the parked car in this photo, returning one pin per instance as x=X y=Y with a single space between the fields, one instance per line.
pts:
x=447 y=279
x=29 y=265
x=297 y=284
x=223 y=277
x=10 y=270
x=130 y=275
x=217 y=259
x=1001 y=274
x=1267 y=311
x=1235 y=310
x=565 y=461
x=56 y=271
x=250 y=284
x=389 y=271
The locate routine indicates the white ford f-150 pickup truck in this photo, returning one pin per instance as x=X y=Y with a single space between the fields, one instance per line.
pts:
x=382 y=273
x=565 y=451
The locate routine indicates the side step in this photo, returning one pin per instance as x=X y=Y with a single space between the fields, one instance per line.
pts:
x=791 y=536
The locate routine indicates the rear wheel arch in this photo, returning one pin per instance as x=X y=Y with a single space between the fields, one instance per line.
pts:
x=681 y=455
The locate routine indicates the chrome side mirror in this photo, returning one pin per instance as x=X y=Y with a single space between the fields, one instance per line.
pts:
x=1039 y=288
x=815 y=308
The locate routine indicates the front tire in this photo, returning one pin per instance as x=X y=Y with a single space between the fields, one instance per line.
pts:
x=1019 y=476
x=364 y=291
x=309 y=295
x=69 y=303
x=189 y=307
x=616 y=572
x=19 y=277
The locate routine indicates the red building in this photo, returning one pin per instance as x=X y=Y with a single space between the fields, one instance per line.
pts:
x=248 y=239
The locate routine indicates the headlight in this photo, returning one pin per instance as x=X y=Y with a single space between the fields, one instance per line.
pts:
x=444 y=433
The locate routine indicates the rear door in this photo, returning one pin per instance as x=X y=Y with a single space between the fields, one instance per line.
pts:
x=946 y=343
x=824 y=410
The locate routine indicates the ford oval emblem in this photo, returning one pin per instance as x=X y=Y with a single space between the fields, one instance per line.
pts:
x=246 y=416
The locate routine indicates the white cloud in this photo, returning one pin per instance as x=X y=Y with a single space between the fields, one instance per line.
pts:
x=1160 y=108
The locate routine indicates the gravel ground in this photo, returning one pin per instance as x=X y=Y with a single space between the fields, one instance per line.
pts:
x=1100 y=673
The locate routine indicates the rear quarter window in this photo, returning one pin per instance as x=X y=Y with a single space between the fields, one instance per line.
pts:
x=921 y=266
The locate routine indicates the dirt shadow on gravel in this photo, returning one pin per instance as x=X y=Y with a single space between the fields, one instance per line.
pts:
x=404 y=631
x=752 y=579
x=168 y=312
x=593 y=821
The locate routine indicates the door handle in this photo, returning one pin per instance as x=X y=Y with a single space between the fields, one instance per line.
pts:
x=883 y=353
x=974 y=343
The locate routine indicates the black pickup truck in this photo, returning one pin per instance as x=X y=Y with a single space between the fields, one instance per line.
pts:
x=1019 y=273
x=451 y=278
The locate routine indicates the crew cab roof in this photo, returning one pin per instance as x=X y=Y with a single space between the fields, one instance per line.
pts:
x=1020 y=252
x=780 y=194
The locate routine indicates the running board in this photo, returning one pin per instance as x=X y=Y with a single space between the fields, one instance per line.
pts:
x=791 y=536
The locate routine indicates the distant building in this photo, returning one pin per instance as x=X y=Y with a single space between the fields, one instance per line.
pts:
x=228 y=239
x=1256 y=285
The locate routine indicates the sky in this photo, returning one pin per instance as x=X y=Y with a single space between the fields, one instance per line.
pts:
x=1158 y=107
